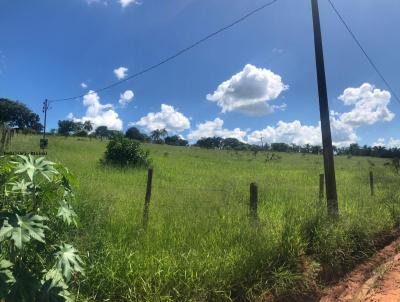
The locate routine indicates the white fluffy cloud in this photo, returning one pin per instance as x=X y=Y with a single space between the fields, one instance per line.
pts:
x=83 y=85
x=296 y=133
x=121 y=72
x=168 y=118
x=292 y=132
x=126 y=97
x=99 y=114
x=215 y=128
x=370 y=105
x=125 y=3
x=249 y=91
x=392 y=143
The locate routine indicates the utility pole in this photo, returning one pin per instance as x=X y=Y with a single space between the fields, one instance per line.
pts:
x=45 y=108
x=329 y=165
x=43 y=141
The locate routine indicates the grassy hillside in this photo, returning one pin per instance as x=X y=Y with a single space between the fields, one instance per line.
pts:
x=200 y=244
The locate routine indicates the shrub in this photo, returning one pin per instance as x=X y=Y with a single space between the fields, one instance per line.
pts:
x=125 y=153
x=35 y=264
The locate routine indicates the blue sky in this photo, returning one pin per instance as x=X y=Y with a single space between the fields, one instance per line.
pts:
x=254 y=81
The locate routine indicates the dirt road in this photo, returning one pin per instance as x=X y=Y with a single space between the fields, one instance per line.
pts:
x=377 y=280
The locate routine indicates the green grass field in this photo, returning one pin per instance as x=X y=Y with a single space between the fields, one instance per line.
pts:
x=200 y=244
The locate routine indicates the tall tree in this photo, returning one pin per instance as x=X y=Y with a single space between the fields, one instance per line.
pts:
x=88 y=126
x=175 y=140
x=66 y=127
x=134 y=133
x=163 y=133
x=210 y=142
x=102 y=131
x=156 y=135
x=16 y=114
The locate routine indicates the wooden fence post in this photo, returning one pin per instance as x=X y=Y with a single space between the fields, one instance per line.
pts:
x=147 y=198
x=371 y=182
x=321 y=186
x=253 y=201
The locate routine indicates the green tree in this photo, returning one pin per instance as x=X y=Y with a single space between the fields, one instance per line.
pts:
x=210 y=142
x=175 y=140
x=102 y=132
x=158 y=135
x=134 y=133
x=66 y=127
x=16 y=114
x=233 y=144
x=88 y=126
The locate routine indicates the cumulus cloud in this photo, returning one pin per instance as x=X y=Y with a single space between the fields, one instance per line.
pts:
x=126 y=97
x=121 y=72
x=370 y=105
x=342 y=134
x=83 y=85
x=99 y=114
x=292 y=132
x=168 y=118
x=296 y=133
x=125 y=3
x=215 y=128
x=392 y=143
x=249 y=91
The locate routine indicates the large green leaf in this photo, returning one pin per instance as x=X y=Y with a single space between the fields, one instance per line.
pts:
x=20 y=187
x=66 y=213
x=21 y=229
x=68 y=261
x=54 y=288
x=33 y=166
x=6 y=277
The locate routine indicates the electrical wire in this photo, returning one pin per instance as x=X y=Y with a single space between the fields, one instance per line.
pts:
x=180 y=52
x=357 y=41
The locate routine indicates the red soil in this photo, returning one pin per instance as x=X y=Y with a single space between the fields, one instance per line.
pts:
x=376 y=280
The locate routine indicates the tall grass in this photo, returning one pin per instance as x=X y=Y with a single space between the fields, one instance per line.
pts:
x=200 y=244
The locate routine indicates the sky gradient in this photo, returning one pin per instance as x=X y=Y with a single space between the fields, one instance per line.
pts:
x=255 y=81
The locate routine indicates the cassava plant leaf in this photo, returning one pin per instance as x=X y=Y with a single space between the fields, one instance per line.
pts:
x=54 y=288
x=34 y=166
x=68 y=261
x=21 y=229
x=20 y=187
x=66 y=213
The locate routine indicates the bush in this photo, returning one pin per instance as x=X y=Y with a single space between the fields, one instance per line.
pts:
x=125 y=153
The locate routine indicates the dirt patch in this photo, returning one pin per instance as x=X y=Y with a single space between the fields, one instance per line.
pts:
x=376 y=280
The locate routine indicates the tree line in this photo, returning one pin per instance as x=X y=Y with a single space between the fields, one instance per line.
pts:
x=160 y=136
x=85 y=129
x=17 y=115
x=351 y=150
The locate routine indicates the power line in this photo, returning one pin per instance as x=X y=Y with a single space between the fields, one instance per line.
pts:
x=374 y=66
x=180 y=52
